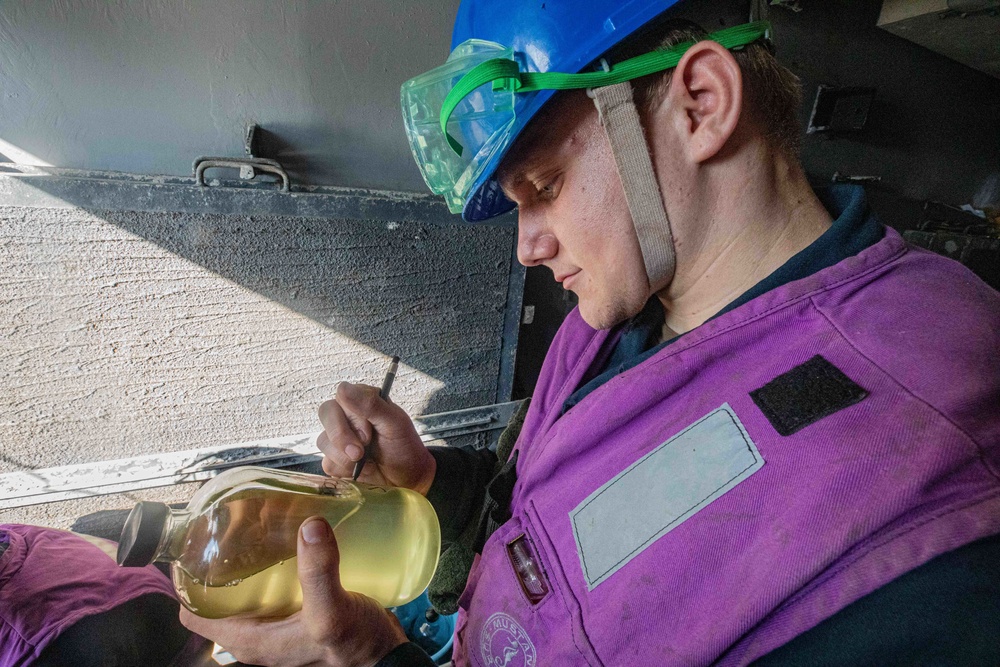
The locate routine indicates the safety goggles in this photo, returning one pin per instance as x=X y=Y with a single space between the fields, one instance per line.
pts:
x=462 y=116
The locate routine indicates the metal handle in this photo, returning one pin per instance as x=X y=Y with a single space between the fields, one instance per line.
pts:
x=257 y=163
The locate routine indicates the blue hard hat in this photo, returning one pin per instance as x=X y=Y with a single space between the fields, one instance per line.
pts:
x=550 y=35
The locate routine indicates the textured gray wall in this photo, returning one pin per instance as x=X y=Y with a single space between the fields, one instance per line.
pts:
x=146 y=86
x=129 y=333
x=133 y=332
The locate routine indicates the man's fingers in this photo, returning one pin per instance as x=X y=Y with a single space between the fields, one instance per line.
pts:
x=335 y=461
x=226 y=632
x=334 y=469
x=193 y=623
x=362 y=402
x=323 y=598
x=343 y=435
x=255 y=641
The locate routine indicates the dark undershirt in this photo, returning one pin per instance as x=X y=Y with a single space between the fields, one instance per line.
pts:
x=945 y=612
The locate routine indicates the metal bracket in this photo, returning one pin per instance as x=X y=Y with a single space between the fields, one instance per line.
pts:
x=840 y=110
x=845 y=178
x=443 y=425
x=251 y=164
x=964 y=8
x=248 y=166
x=249 y=147
x=793 y=5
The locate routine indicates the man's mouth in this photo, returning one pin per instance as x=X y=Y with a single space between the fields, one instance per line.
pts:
x=566 y=278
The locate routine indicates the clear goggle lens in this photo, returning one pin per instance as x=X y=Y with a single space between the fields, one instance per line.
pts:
x=481 y=122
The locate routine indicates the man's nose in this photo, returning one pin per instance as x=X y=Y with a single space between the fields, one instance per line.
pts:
x=534 y=245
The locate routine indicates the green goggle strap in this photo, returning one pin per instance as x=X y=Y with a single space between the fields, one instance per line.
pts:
x=505 y=74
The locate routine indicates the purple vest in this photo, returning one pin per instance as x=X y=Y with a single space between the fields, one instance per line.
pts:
x=669 y=523
x=50 y=579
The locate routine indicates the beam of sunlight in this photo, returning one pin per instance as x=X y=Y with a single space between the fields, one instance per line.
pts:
x=21 y=156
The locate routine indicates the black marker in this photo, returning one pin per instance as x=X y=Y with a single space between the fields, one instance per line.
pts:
x=383 y=393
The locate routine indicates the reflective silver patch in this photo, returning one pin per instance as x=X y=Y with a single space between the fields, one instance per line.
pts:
x=661 y=491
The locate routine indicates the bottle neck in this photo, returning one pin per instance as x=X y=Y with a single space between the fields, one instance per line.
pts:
x=172 y=540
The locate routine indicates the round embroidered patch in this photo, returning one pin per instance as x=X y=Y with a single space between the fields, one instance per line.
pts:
x=504 y=643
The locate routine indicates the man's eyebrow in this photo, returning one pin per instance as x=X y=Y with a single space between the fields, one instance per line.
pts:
x=525 y=165
x=511 y=180
x=524 y=157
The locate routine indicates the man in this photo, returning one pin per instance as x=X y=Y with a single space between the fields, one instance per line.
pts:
x=759 y=438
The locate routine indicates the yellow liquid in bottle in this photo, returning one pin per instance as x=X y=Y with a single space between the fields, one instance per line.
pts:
x=388 y=551
x=274 y=591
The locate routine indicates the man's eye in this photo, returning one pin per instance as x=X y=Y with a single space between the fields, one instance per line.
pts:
x=547 y=191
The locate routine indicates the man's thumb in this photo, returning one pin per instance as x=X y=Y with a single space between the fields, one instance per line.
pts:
x=319 y=570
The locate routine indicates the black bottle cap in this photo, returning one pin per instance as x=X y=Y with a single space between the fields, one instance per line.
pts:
x=431 y=615
x=141 y=534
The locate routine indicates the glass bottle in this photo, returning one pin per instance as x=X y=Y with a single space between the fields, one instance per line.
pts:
x=232 y=550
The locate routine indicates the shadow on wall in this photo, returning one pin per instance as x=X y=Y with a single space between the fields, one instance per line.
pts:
x=394 y=273
x=300 y=150
x=432 y=295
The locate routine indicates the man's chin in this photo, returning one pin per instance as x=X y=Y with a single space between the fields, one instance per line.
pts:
x=599 y=315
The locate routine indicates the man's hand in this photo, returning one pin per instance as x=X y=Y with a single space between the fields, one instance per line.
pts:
x=335 y=628
x=399 y=459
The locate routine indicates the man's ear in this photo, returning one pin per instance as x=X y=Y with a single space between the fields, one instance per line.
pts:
x=707 y=95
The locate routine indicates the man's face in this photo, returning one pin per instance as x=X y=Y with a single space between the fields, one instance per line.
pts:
x=572 y=213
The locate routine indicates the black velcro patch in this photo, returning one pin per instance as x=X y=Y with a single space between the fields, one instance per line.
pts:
x=806 y=394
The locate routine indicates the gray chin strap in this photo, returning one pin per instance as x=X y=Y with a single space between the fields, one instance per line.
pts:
x=620 y=120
